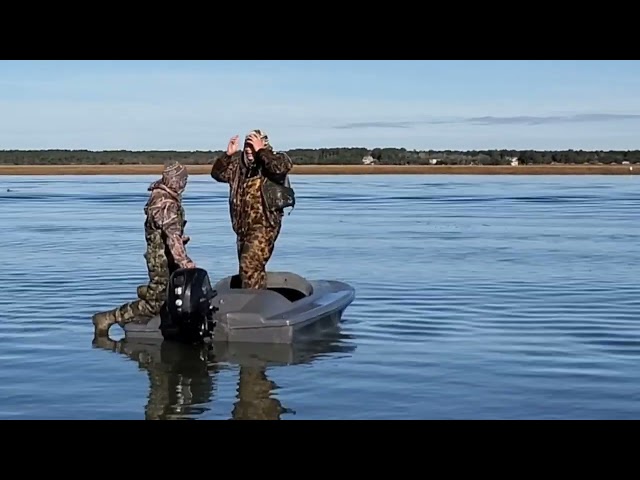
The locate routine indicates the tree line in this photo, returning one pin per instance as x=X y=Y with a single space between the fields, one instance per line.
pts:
x=329 y=156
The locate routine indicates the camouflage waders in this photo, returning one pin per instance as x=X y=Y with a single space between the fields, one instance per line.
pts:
x=164 y=235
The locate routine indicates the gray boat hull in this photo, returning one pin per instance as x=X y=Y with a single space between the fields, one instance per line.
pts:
x=291 y=308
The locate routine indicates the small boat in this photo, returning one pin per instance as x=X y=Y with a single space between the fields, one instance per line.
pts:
x=291 y=307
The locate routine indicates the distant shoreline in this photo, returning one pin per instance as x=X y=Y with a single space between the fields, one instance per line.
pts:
x=55 y=170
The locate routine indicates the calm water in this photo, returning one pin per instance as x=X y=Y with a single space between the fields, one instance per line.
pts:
x=477 y=297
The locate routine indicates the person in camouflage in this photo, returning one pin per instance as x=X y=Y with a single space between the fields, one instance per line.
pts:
x=164 y=234
x=256 y=227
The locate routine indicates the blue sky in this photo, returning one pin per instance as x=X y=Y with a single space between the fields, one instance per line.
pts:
x=199 y=105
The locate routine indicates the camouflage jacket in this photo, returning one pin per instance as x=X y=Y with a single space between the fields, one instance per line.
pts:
x=164 y=225
x=245 y=184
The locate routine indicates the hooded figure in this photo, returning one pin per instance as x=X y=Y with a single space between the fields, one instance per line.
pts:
x=256 y=226
x=164 y=234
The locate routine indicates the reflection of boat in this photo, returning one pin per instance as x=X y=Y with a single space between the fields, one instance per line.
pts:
x=182 y=376
x=326 y=343
x=284 y=311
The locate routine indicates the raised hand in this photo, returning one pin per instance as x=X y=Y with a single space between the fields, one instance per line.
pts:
x=256 y=142
x=233 y=145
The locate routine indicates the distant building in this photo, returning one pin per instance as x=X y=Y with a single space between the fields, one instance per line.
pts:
x=514 y=161
x=368 y=160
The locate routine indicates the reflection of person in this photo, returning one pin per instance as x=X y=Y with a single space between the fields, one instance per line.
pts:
x=257 y=227
x=254 y=400
x=181 y=383
x=164 y=233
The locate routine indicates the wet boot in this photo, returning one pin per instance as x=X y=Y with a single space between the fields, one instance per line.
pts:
x=103 y=322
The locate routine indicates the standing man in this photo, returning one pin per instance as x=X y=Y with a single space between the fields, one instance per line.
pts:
x=255 y=221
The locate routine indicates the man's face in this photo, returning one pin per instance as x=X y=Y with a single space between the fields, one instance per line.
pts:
x=248 y=151
x=182 y=186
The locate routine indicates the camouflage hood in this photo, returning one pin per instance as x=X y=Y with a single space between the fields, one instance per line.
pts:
x=174 y=179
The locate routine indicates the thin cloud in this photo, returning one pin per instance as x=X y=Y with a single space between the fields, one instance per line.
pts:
x=493 y=120
x=376 y=125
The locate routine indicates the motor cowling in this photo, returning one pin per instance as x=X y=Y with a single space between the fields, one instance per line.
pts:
x=188 y=311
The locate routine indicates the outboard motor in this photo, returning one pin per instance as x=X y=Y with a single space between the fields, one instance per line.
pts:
x=188 y=312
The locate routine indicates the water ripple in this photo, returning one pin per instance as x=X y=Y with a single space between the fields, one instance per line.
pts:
x=477 y=297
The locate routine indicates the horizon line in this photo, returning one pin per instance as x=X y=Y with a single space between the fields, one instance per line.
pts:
x=25 y=150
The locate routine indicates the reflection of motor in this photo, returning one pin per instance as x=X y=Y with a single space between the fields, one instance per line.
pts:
x=187 y=314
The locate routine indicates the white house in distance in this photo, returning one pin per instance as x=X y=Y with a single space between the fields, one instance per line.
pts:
x=368 y=160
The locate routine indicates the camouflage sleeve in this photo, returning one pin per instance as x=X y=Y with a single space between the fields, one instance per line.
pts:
x=221 y=169
x=276 y=163
x=165 y=214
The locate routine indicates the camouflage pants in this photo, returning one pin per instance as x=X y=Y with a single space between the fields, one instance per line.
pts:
x=150 y=296
x=254 y=251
